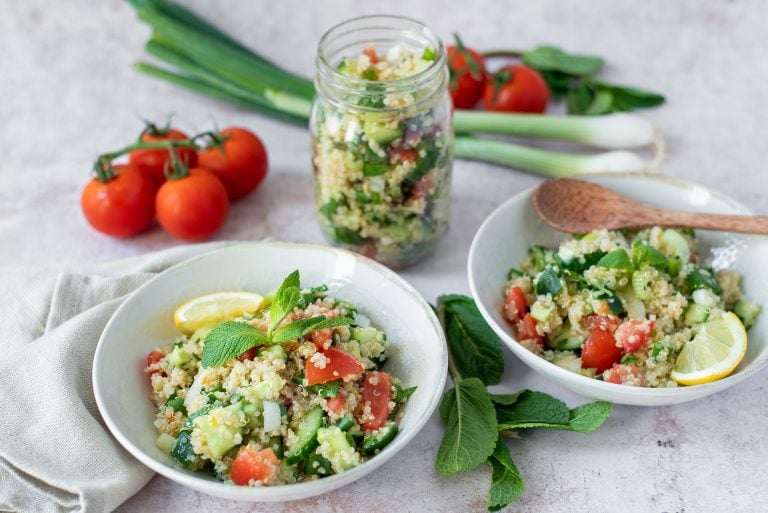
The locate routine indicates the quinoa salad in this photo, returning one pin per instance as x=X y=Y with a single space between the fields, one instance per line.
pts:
x=382 y=161
x=620 y=306
x=299 y=405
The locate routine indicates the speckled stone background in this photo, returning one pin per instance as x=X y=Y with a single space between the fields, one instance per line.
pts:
x=67 y=91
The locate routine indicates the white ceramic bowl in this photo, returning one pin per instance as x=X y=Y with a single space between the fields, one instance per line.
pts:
x=145 y=320
x=504 y=238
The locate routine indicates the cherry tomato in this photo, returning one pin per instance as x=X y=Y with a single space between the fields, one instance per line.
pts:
x=248 y=354
x=371 y=53
x=240 y=164
x=606 y=322
x=321 y=338
x=153 y=162
x=467 y=76
x=527 y=330
x=336 y=404
x=599 y=352
x=403 y=155
x=121 y=207
x=633 y=334
x=250 y=464
x=623 y=375
x=330 y=365
x=515 y=305
x=516 y=88
x=375 y=396
x=193 y=207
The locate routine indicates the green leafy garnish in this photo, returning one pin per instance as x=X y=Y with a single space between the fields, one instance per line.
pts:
x=550 y=58
x=700 y=278
x=475 y=347
x=507 y=484
x=287 y=298
x=532 y=409
x=616 y=259
x=330 y=389
x=548 y=282
x=302 y=327
x=230 y=339
x=644 y=254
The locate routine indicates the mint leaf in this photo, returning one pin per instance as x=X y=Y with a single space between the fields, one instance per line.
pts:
x=287 y=297
x=531 y=410
x=506 y=399
x=507 y=485
x=301 y=327
x=550 y=58
x=470 y=427
x=616 y=259
x=588 y=417
x=699 y=278
x=643 y=254
x=475 y=348
x=228 y=340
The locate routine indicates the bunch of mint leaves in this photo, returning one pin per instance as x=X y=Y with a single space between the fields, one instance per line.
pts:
x=572 y=77
x=476 y=420
x=230 y=339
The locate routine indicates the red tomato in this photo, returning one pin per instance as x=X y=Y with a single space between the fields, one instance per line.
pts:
x=605 y=322
x=336 y=404
x=623 y=375
x=248 y=354
x=403 y=155
x=336 y=364
x=515 y=305
x=599 y=352
x=322 y=338
x=371 y=53
x=376 y=395
x=153 y=163
x=516 y=88
x=193 y=207
x=154 y=357
x=423 y=187
x=467 y=76
x=528 y=330
x=123 y=206
x=632 y=334
x=250 y=464
x=241 y=166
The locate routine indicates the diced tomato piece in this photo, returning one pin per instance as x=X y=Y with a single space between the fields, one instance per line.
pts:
x=604 y=322
x=599 y=351
x=250 y=464
x=371 y=53
x=321 y=338
x=152 y=358
x=336 y=404
x=515 y=305
x=330 y=365
x=633 y=334
x=527 y=330
x=249 y=354
x=422 y=188
x=374 y=400
x=624 y=375
x=403 y=155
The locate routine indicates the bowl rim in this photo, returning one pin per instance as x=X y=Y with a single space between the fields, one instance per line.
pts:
x=598 y=388
x=294 y=491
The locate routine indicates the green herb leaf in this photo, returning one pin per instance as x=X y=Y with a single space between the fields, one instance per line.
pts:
x=699 y=278
x=616 y=259
x=301 y=327
x=470 y=427
x=507 y=485
x=286 y=299
x=531 y=410
x=550 y=58
x=475 y=348
x=347 y=236
x=328 y=390
x=588 y=417
x=506 y=399
x=634 y=98
x=548 y=282
x=644 y=254
x=230 y=339
x=581 y=263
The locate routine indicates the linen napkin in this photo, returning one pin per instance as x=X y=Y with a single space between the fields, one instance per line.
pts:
x=56 y=455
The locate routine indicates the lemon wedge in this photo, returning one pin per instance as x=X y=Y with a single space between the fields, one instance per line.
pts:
x=210 y=309
x=714 y=352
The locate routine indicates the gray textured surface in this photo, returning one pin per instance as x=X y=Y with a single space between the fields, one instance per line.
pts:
x=68 y=92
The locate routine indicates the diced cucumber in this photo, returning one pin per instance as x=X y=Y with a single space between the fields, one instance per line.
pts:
x=696 y=314
x=275 y=352
x=700 y=278
x=365 y=335
x=746 y=311
x=676 y=245
x=333 y=442
x=307 y=436
x=567 y=360
x=165 y=443
x=541 y=312
x=548 y=282
x=641 y=284
x=380 y=132
x=346 y=423
x=633 y=305
x=705 y=297
x=183 y=452
x=567 y=339
x=317 y=465
x=541 y=256
x=178 y=357
x=381 y=439
x=220 y=429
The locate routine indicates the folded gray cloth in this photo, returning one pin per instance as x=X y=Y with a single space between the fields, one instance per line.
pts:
x=55 y=452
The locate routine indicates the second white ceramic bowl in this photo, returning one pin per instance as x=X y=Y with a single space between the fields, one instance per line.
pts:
x=144 y=321
x=504 y=238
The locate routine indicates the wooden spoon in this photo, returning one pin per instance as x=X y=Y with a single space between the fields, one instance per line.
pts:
x=576 y=206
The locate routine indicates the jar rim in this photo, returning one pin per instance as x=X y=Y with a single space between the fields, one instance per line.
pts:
x=325 y=67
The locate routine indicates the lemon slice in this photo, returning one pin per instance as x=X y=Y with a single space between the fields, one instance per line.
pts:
x=713 y=353
x=213 y=308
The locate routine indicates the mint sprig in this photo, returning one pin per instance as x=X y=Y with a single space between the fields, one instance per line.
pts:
x=230 y=339
x=476 y=421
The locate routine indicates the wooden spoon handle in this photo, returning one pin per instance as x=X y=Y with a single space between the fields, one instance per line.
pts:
x=719 y=222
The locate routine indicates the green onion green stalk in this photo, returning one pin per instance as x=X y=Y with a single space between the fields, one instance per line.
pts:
x=206 y=60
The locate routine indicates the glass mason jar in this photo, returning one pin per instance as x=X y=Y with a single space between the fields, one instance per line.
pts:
x=382 y=138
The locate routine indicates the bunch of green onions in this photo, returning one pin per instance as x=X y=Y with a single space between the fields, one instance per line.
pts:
x=208 y=61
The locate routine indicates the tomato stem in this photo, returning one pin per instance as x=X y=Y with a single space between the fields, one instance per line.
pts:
x=516 y=54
